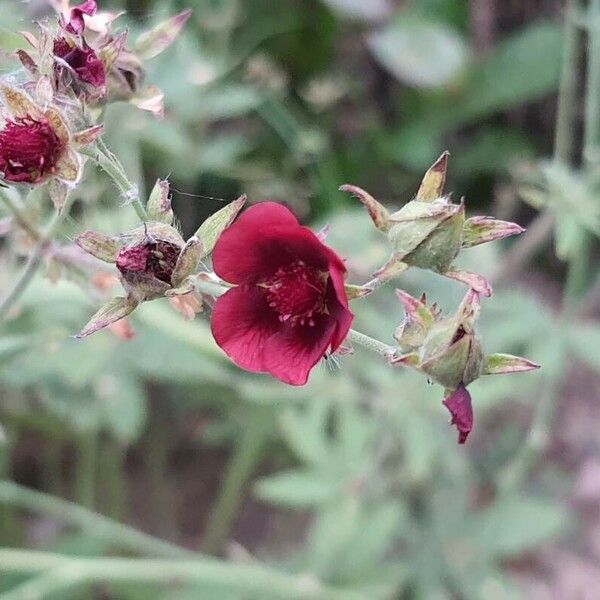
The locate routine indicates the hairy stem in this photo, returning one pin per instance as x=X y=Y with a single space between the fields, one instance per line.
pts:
x=370 y=343
x=110 y=164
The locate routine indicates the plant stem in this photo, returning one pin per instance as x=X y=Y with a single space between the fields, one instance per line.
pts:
x=370 y=343
x=61 y=572
x=35 y=260
x=19 y=216
x=110 y=164
x=567 y=95
x=85 y=474
x=95 y=525
x=246 y=457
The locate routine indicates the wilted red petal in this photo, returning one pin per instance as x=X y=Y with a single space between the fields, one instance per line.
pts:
x=461 y=409
x=241 y=324
x=84 y=62
x=76 y=25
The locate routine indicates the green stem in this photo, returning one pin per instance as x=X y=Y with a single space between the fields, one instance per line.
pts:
x=112 y=468
x=19 y=216
x=35 y=260
x=567 y=95
x=95 y=525
x=110 y=164
x=246 y=457
x=61 y=572
x=372 y=344
x=85 y=475
x=577 y=276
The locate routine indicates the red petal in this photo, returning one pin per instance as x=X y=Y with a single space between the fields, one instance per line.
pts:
x=251 y=255
x=291 y=354
x=461 y=409
x=337 y=304
x=241 y=324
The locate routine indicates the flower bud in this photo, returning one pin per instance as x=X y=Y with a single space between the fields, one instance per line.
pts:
x=417 y=323
x=427 y=235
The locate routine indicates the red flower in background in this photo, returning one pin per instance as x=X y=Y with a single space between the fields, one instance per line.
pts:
x=290 y=306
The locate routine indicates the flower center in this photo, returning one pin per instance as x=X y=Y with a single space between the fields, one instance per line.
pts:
x=297 y=293
x=155 y=258
x=29 y=149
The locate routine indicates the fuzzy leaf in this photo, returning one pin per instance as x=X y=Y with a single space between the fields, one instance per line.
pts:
x=159 y=204
x=103 y=247
x=499 y=364
x=155 y=41
x=378 y=213
x=432 y=186
x=210 y=231
x=111 y=312
x=480 y=230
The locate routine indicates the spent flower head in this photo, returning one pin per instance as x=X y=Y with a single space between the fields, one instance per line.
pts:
x=153 y=259
x=36 y=142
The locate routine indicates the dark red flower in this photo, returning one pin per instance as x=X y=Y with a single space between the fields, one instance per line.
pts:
x=290 y=306
x=156 y=258
x=29 y=149
x=83 y=61
x=76 y=24
x=461 y=409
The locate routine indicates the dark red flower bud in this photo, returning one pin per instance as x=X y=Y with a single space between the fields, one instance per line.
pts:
x=76 y=24
x=461 y=409
x=156 y=258
x=29 y=149
x=83 y=61
x=290 y=306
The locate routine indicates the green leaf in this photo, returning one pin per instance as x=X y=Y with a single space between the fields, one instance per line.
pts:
x=297 y=489
x=514 y=525
x=210 y=231
x=419 y=52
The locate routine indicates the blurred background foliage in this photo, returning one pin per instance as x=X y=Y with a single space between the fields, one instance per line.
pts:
x=355 y=480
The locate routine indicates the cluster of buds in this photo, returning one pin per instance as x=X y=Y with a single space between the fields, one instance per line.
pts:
x=85 y=60
x=448 y=351
x=429 y=232
x=153 y=260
